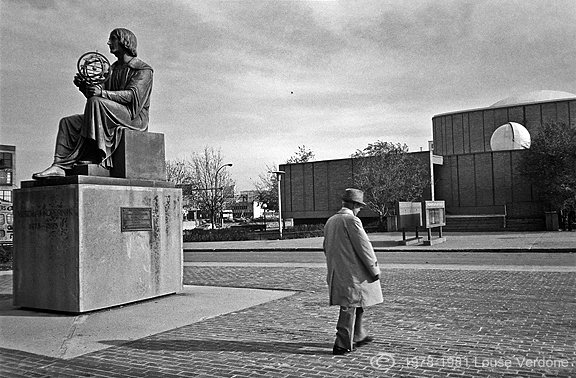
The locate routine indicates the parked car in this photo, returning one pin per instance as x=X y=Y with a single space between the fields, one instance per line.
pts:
x=205 y=226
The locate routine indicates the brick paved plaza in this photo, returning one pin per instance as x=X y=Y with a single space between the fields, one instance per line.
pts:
x=434 y=323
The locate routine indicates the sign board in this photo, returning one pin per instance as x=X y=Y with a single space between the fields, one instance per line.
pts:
x=434 y=213
x=409 y=215
x=136 y=219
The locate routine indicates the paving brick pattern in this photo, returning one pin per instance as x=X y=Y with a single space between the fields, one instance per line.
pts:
x=433 y=323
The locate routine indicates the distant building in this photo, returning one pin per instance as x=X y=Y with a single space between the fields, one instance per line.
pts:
x=246 y=205
x=7 y=171
x=247 y=196
x=482 y=149
x=311 y=192
x=474 y=163
x=246 y=209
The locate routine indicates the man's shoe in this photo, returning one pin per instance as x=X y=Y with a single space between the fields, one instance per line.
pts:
x=50 y=172
x=339 y=351
x=364 y=341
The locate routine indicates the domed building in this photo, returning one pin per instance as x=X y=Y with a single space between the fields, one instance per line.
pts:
x=481 y=148
x=474 y=164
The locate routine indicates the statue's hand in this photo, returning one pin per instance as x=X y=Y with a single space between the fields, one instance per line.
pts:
x=94 y=90
x=79 y=81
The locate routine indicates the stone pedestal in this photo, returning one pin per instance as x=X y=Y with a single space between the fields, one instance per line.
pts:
x=84 y=243
x=140 y=155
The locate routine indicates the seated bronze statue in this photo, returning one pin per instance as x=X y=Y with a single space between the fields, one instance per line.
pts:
x=121 y=102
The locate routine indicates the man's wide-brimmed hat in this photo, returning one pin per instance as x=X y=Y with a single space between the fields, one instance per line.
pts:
x=354 y=195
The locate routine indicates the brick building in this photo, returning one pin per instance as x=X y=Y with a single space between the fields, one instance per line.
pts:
x=479 y=184
x=7 y=171
x=311 y=192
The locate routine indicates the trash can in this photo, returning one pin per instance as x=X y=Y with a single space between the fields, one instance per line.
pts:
x=391 y=223
x=552 y=221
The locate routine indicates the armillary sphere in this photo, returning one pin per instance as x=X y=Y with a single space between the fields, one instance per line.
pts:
x=94 y=68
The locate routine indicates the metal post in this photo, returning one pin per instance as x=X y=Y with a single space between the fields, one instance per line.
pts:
x=431 y=165
x=216 y=192
x=279 y=178
x=279 y=207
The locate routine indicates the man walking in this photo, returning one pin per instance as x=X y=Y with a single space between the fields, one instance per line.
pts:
x=353 y=273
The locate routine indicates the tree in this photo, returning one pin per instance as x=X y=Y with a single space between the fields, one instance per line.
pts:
x=214 y=184
x=267 y=188
x=550 y=165
x=387 y=174
x=179 y=171
x=204 y=180
x=303 y=155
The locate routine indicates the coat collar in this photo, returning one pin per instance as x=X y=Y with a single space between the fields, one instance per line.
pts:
x=346 y=210
x=135 y=64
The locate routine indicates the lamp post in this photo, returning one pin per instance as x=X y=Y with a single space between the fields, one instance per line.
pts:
x=216 y=188
x=279 y=178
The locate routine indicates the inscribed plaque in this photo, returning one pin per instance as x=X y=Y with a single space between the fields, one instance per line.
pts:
x=136 y=219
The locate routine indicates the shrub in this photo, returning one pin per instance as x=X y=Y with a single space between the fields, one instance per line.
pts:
x=6 y=251
x=239 y=233
x=302 y=231
x=219 y=234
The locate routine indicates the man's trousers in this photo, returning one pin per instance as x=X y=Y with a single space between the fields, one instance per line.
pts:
x=349 y=328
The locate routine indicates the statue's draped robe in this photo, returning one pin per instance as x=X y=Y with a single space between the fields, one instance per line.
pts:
x=95 y=135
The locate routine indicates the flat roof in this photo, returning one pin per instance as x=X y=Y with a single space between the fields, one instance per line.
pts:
x=530 y=98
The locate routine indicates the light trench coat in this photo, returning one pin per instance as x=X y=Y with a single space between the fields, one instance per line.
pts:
x=351 y=262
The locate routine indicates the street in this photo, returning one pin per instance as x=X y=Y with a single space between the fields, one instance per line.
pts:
x=451 y=313
x=385 y=258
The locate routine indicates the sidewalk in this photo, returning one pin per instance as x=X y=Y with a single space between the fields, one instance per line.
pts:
x=541 y=241
x=261 y=320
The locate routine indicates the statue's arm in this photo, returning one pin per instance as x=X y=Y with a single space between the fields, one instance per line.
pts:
x=135 y=89
x=121 y=97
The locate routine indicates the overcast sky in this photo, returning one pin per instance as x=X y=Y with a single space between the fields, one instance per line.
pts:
x=257 y=79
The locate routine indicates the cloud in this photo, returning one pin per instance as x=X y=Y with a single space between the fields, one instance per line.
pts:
x=260 y=78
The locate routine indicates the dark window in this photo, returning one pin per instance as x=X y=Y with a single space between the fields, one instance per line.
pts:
x=5 y=160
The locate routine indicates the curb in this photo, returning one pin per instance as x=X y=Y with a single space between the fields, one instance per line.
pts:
x=403 y=249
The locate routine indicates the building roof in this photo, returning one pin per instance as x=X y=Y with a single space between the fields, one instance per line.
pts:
x=527 y=98
x=535 y=96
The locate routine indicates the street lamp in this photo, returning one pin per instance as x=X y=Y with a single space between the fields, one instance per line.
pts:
x=279 y=178
x=264 y=206
x=216 y=188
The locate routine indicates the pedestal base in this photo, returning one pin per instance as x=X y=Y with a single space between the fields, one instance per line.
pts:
x=84 y=243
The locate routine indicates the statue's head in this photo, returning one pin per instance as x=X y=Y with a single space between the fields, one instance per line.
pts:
x=127 y=39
